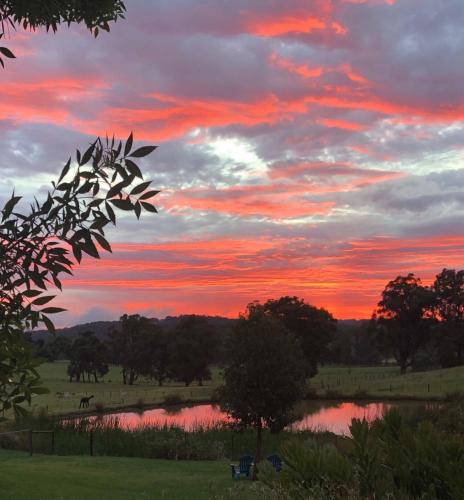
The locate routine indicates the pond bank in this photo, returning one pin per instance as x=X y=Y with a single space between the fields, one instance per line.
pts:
x=314 y=415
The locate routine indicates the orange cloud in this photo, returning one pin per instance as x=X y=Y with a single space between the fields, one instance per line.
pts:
x=302 y=70
x=47 y=100
x=343 y=124
x=221 y=275
x=276 y=202
x=174 y=116
x=285 y=24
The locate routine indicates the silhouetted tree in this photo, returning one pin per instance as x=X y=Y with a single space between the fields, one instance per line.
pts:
x=264 y=377
x=314 y=327
x=403 y=318
x=88 y=356
x=34 y=247
x=193 y=346
x=129 y=346
x=59 y=346
x=449 y=311
x=354 y=345
x=156 y=358
x=34 y=244
x=32 y=14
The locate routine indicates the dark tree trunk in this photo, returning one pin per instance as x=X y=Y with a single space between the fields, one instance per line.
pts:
x=259 y=446
x=200 y=381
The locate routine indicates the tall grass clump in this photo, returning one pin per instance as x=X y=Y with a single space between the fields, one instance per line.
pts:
x=389 y=458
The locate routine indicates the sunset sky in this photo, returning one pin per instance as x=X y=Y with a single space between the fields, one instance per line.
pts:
x=310 y=148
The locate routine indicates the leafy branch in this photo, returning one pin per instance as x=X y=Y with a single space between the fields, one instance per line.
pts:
x=38 y=247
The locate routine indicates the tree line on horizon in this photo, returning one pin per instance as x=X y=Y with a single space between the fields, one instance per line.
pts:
x=142 y=348
x=419 y=327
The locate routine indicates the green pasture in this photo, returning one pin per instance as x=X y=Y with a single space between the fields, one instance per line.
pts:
x=383 y=382
x=75 y=478
x=64 y=397
x=387 y=383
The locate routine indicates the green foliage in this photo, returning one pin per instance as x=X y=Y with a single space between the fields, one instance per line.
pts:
x=389 y=459
x=366 y=453
x=58 y=347
x=19 y=379
x=424 y=462
x=312 y=463
x=88 y=356
x=38 y=246
x=155 y=361
x=192 y=350
x=32 y=14
x=403 y=317
x=448 y=289
x=314 y=327
x=265 y=375
x=264 y=378
x=130 y=346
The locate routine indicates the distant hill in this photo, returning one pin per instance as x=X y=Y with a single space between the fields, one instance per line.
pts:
x=221 y=324
x=102 y=328
x=351 y=324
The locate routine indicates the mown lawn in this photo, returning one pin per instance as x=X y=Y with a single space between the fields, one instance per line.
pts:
x=101 y=478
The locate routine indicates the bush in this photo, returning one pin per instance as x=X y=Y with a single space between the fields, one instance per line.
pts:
x=311 y=393
x=140 y=403
x=360 y=394
x=172 y=399
x=99 y=407
x=333 y=394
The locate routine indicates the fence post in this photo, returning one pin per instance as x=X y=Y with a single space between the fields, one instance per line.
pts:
x=91 y=443
x=30 y=442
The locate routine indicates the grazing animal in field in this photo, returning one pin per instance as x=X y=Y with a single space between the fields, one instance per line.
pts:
x=85 y=402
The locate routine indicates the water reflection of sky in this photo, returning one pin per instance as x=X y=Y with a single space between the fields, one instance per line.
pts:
x=322 y=416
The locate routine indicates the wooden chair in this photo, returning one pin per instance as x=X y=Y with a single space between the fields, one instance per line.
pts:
x=243 y=468
x=275 y=461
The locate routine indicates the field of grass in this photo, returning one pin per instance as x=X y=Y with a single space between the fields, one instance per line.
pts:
x=76 y=478
x=387 y=383
x=332 y=382
x=64 y=396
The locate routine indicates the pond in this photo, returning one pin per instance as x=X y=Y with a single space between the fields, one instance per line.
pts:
x=333 y=416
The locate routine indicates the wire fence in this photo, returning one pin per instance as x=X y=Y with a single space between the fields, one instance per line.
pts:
x=23 y=440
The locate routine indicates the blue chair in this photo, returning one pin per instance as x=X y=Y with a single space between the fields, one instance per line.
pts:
x=243 y=468
x=276 y=462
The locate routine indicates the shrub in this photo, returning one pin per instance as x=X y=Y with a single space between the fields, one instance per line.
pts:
x=99 y=407
x=360 y=394
x=311 y=393
x=140 y=403
x=332 y=394
x=172 y=399
x=454 y=396
x=311 y=463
